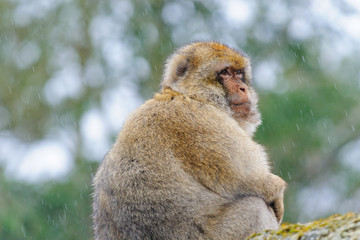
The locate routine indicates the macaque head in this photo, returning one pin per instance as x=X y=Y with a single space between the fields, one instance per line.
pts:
x=217 y=74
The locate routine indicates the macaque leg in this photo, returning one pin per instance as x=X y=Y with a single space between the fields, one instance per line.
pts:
x=241 y=219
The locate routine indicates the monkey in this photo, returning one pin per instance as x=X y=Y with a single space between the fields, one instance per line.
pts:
x=184 y=165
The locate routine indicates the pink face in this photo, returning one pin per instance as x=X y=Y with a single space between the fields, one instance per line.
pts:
x=237 y=91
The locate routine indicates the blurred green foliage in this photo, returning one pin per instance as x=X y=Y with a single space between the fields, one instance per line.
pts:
x=310 y=114
x=54 y=210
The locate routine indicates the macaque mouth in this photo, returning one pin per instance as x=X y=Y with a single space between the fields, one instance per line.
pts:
x=242 y=108
x=241 y=104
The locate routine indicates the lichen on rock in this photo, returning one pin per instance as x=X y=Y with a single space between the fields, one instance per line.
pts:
x=335 y=227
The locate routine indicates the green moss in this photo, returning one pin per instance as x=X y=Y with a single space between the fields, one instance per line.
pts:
x=335 y=227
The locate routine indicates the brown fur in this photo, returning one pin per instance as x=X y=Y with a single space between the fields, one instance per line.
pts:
x=184 y=165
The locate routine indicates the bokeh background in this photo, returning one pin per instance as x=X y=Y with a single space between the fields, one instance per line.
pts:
x=71 y=71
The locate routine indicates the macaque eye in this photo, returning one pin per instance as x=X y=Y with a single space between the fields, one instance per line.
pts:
x=224 y=72
x=240 y=74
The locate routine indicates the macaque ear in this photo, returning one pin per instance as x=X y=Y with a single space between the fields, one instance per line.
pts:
x=176 y=66
x=182 y=68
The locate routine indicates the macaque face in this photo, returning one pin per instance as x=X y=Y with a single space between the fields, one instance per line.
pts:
x=237 y=90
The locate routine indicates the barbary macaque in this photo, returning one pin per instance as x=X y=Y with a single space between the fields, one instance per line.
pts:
x=184 y=165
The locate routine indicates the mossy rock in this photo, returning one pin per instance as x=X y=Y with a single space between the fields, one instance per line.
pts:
x=335 y=227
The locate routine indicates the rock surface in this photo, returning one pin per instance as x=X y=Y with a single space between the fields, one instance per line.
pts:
x=335 y=227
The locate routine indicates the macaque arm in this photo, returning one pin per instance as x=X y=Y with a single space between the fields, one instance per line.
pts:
x=253 y=214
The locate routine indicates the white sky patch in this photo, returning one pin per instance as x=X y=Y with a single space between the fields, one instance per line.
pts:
x=351 y=204
x=118 y=103
x=42 y=161
x=122 y=10
x=111 y=26
x=331 y=54
x=10 y=148
x=142 y=67
x=101 y=27
x=348 y=25
x=117 y=55
x=355 y=4
x=67 y=135
x=266 y=73
x=64 y=57
x=95 y=135
x=350 y=155
x=351 y=26
x=64 y=84
x=94 y=75
x=300 y=29
x=173 y=13
x=151 y=33
x=106 y=33
x=277 y=13
x=33 y=9
x=238 y=11
x=27 y=55
x=319 y=200
x=324 y=10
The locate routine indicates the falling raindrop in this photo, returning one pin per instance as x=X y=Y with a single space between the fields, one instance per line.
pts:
x=64 y=216
x=346 y=113
x=297 y=126
x=299 y=79
x=278 y=42
x=289 y=175
x=303 y=58
x=329 y=139
x=353 y=128
x=311 y=112
x=26 y=101
x=23 y=230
